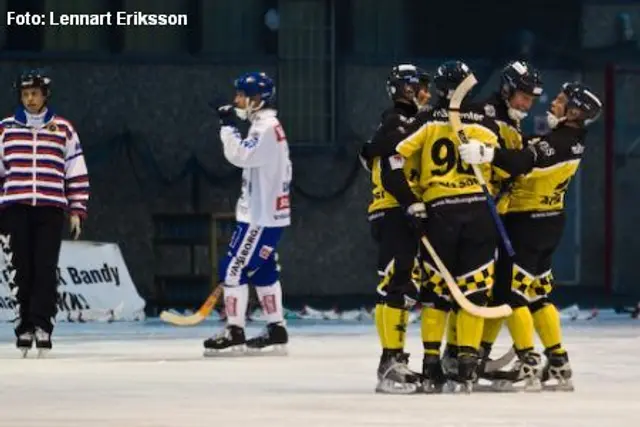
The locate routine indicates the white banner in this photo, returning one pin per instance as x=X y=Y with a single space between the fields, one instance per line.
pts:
x=94 y=284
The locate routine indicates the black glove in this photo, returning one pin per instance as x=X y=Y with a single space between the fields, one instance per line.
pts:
x=226 y=112
x=417 y=213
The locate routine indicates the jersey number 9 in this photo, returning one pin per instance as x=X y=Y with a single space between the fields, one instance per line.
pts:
x=445 y=155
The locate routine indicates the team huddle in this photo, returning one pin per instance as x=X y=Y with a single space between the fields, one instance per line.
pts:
x=490 y=201
x=466 y=209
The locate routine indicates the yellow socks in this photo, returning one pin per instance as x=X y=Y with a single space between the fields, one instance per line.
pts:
x=432 y=328
x=452 y=329
x=520 y=325
x=491 y=330
x=547 y=324
x=469 y=330
x=395 y=327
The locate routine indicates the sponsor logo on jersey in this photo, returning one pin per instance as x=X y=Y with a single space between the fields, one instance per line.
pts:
x=490 y=110
x=250 y=143
x=396 y=161
x=280 y=135
x=546 y=149
x=282 y=203
x=577 y=149
x=265 y=252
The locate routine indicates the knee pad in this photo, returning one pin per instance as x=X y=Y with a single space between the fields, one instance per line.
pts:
x=479 y=280
x=541 y=286
x=434 y=286
x=521 y=284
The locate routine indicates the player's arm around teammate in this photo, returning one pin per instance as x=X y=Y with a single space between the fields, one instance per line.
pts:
x=459 y=224
x=544 y=169
x=520 y=86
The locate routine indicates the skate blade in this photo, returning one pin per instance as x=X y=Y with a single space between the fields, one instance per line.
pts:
x=566 y=386
x=235 y=351
x=506 y=386
x=532 y=385
x=392 y=387
x=454 y=387
x=499 y=386
x=24 y=351
x=272 y=350
x=43 y=352
x=429 y=387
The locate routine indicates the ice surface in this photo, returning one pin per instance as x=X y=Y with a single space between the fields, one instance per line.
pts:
x=153 y=375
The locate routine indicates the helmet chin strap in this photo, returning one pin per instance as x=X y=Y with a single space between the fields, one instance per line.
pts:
x=245 y=113
x=514 y=113
x=554 y=121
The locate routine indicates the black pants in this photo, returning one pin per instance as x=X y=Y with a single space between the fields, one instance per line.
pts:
x=36 y=236
x=398 y=250
x=464 y=237
x=535 y=237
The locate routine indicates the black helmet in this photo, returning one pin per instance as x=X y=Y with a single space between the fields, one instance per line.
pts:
x=405 y=75
x=449 y=76
x=33 y=78
x=582 y=98
x=520 y=76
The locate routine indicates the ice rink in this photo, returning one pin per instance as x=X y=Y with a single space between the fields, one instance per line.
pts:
x=152 y=375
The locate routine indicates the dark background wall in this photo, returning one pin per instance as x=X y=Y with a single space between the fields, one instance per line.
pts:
x=139 y=100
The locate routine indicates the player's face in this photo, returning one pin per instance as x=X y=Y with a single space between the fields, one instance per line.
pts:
x=33 y=99
x=241 y=100
x=423 y=95
x=559 y=105
x=522 y=101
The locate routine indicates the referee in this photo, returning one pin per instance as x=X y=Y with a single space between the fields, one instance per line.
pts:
x=44 y=179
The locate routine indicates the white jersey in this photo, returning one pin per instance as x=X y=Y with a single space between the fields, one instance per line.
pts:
x=266 y=176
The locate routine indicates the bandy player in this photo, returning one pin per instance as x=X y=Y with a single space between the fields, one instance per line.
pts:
x=262 y=212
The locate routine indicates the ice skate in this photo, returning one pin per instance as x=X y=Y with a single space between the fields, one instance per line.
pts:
x=556 y=375
x=24 y=343
x=488 y=367
x=229 y=342
x=43 y=342
x=273 y=341
x=381 y=365
x=395 y=377
x=433 y=377
x=450 y=361
x=524 y=376
x=462 y=382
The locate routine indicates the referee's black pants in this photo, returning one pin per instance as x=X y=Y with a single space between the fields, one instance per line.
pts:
x=36 y=237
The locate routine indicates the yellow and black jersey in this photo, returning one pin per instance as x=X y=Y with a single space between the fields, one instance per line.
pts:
x=443 y=174
x=394 y=178
x=382 y=194
x=510 y=134
x=509 y=130
x=542 y=170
